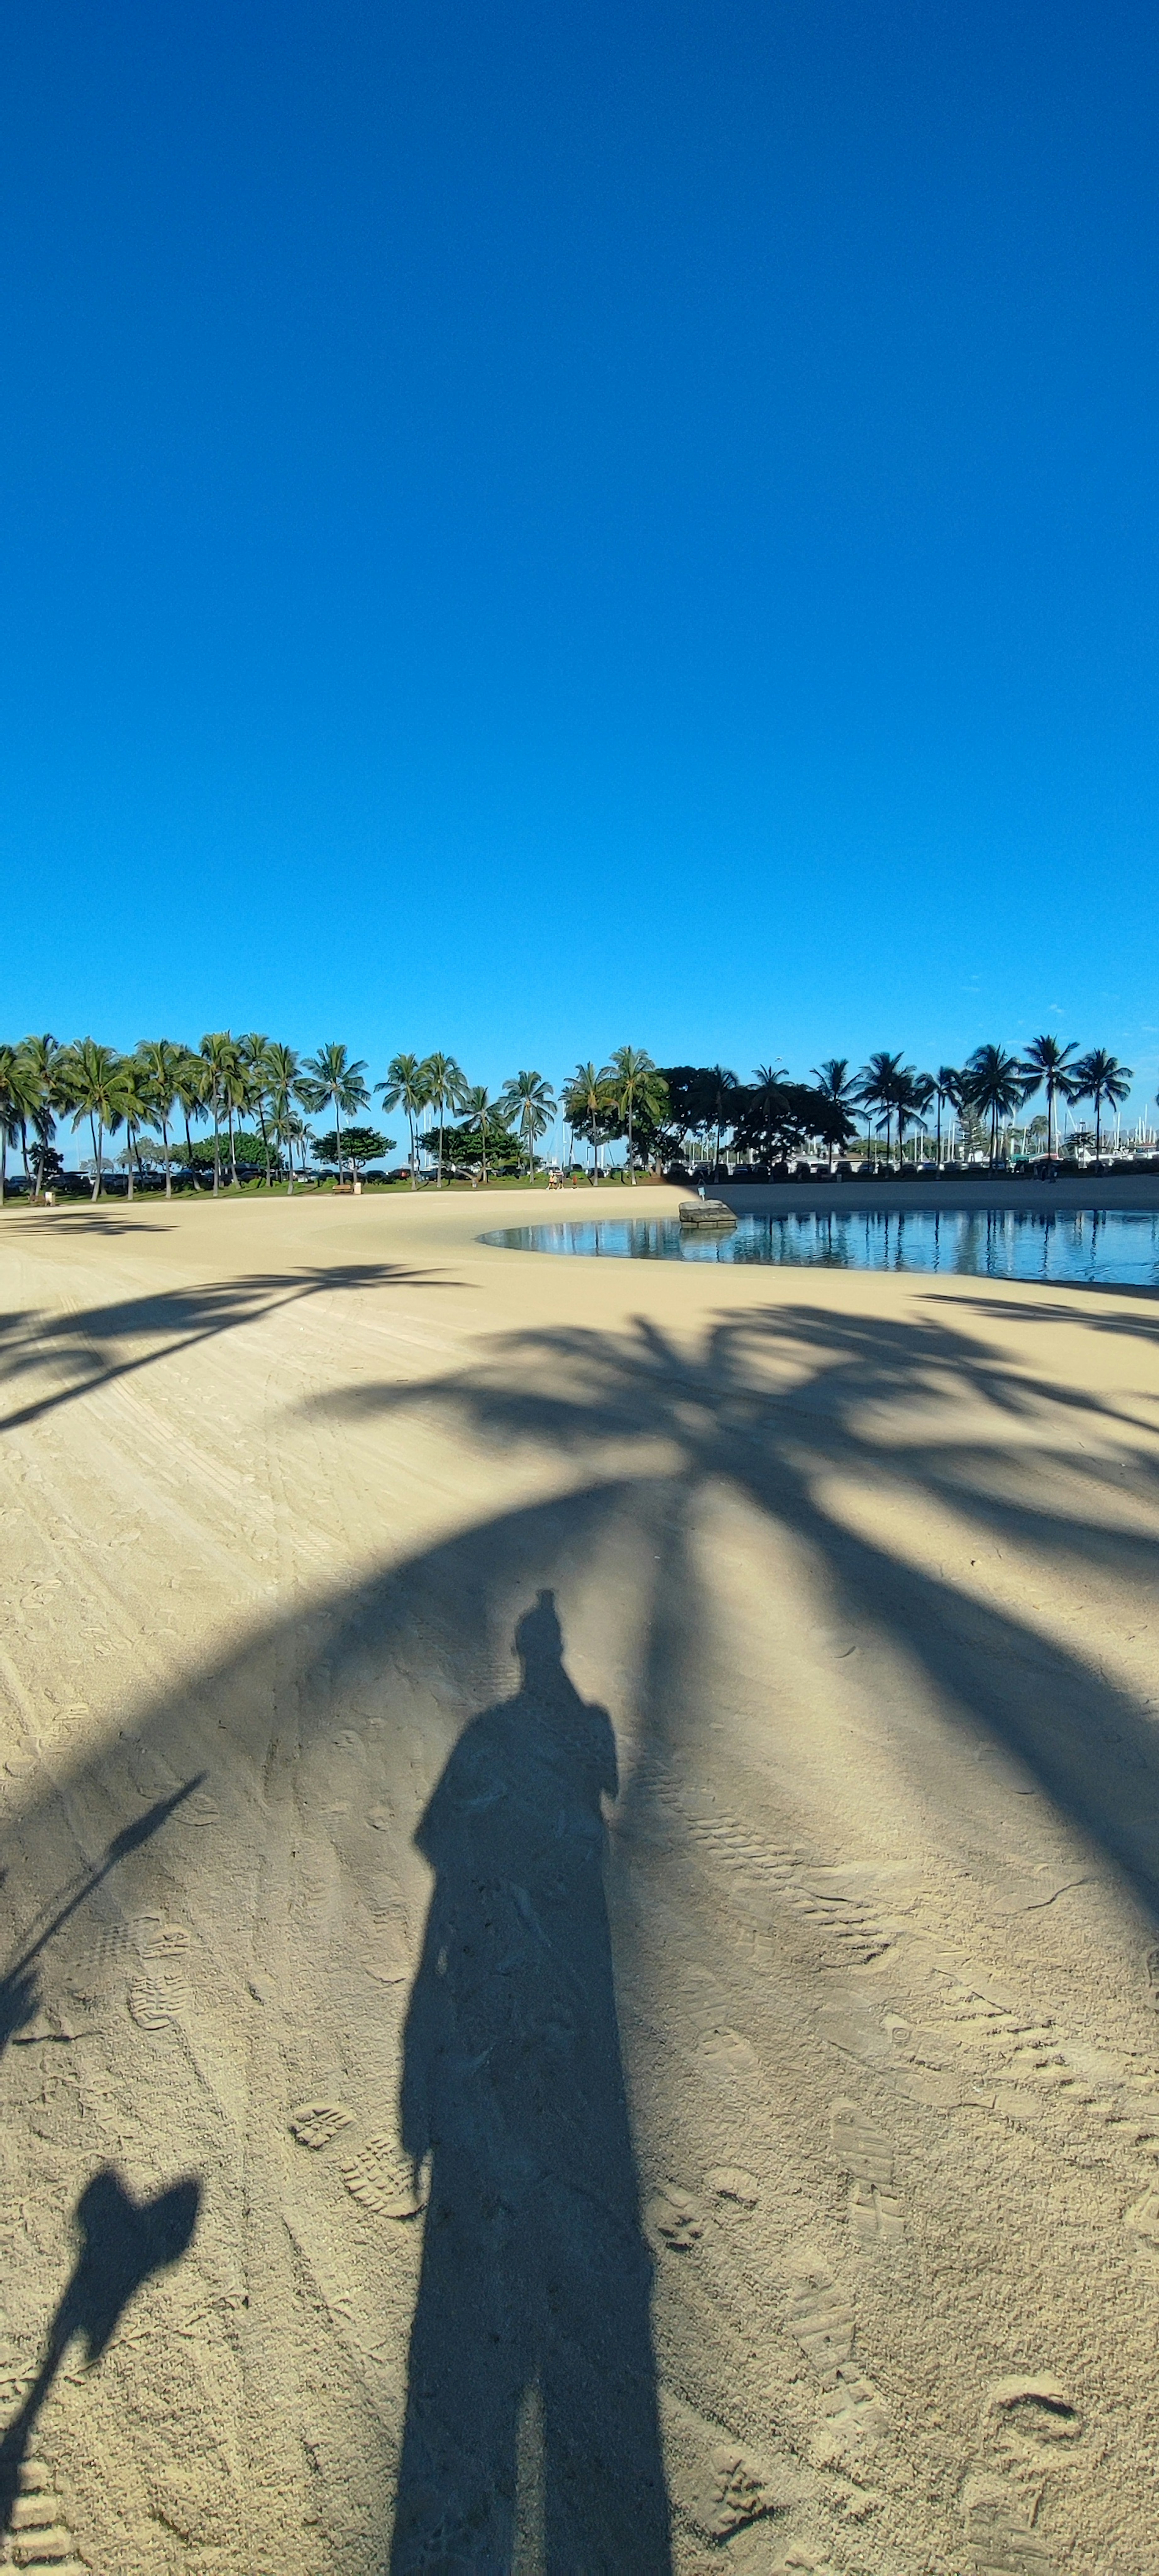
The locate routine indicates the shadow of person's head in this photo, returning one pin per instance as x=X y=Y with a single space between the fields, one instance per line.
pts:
x=539 y=1643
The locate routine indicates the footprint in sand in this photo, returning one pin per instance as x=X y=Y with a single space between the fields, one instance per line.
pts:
x=314 y=2124
x=732 y=2183
x=821 y=2320
x=1032 y=2417
x=383 y=2180
x=37 y=2534
x=875 y=2213
x=158 y=2002
x=999 y=2539
x=675 y=2217
x=726 y=2053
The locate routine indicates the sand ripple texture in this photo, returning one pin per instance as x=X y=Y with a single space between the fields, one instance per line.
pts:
x=580 y=1868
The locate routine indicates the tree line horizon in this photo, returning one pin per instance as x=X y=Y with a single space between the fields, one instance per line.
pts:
x=654 y=1110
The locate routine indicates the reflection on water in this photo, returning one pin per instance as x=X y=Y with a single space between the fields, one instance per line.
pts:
x=1079 y=1244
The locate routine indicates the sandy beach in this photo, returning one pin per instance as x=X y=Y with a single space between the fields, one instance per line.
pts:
x=687 y=1736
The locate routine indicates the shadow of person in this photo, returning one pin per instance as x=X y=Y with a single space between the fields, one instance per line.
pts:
x=533 y=2302
x=123 y=2242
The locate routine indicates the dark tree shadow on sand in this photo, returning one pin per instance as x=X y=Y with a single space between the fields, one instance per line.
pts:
x=123 y=2243
x=86 y=1350
x=534 y=2295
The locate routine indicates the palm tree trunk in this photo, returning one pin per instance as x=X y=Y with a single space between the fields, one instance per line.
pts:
x=168 y=1167
x=631 y=1164
x=129 y=1161
x=100 y=1158
x=1098 y=1129
x=216 y=1148
x=261 y=1109
x=1049 y=1120
x=188 y=1141
x=232 y=1147
x=414 y=1178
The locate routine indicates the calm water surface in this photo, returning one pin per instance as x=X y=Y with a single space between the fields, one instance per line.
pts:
x=1080 y=1245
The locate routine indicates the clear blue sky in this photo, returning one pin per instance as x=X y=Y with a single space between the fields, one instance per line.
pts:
x=532 y=526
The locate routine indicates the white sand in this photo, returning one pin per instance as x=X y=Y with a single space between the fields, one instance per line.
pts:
x=863 y=1571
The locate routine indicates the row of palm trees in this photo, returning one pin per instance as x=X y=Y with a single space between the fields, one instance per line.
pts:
x=147 y=1093
x=227 y=1078
x=992 y=1085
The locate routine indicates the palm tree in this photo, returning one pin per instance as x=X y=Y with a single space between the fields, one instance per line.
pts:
x=1100 y=1078
x=948 y=1094
x=405 y=1088
x=282 y=1073
x=719 y=1091
x=40 y=1059
x=832 y=1080
x=137 y=1104
x=92 y=1076
x=479 y=1107
x=19 y=1098
x=224 y=1080
x=162 y=1063
x=191 y=1093
x=253 y=1056
x=876 y=1089
x=626 y=1077
x=768 y=1082
x=1046 y=1066
x=445 y=1086
x=912 y=1096
x=529 y=1099
x=583 y=1099
x=330 y=1077
x=994 y=1085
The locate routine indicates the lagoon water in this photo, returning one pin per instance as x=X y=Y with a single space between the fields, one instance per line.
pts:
x=1084 y=1246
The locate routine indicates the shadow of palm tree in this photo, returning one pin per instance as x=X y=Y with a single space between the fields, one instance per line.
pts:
x=84 y=1347
x=781 y=1402
x=535 y=2276
x=123 y=2243
x=789 y=1408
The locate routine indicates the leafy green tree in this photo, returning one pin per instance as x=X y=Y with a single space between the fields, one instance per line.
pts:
x=1047 y=1066
x=1101 y=1079
x=92 y=1078
x=994 y=1086
x=161 y=1061
x=362 y=1145
x=405 y=1088
x=445 y=1085
x=529 y=1102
